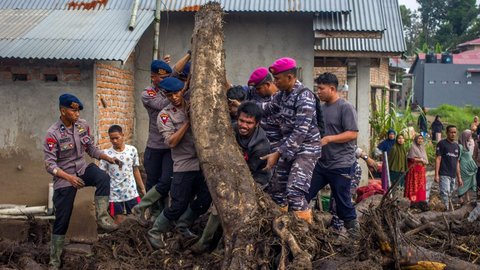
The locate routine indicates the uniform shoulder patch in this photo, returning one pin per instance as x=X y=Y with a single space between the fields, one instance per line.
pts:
x=51 y=142
x=151 y=93
x=164 y=118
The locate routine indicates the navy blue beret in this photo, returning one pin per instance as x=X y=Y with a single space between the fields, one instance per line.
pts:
x=70 y=101
x=171 y=85
x=160 y=67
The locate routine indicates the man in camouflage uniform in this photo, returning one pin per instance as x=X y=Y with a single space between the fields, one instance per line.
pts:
x=261 y=91
x=300 y=146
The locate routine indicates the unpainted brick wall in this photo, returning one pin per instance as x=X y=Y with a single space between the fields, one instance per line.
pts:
x=115 y=100
x=65 y=70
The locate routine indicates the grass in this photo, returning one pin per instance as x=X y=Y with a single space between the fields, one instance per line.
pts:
x=462 y=117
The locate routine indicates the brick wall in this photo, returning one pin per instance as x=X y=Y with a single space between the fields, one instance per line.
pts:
x=379 y=76
x=115 y=100
x=42 y=70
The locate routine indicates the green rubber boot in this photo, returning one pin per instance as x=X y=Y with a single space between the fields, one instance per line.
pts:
x=207 y=236
x=156 y=235
x=104 y=220
x=185 y=222
x=147 y=201
x=56 y=249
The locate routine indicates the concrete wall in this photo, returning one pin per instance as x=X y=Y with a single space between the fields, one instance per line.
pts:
x=448 y=84
x=418 y=76
x=28 y=109
x=251 y=40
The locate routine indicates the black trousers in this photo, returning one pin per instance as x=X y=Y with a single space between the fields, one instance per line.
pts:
x=63 y=198
x=188 y=186
x=158 y=165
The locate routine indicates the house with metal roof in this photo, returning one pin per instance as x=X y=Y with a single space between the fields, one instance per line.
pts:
x=447 y=78
x=100 y=50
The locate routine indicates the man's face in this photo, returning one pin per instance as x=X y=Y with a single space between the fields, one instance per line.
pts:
x=70 y=115
x=451 y=134
x=266 y=90
x=246 y=125
x=116 y=138
x=175 y=98
x=157 y=78
x=283 y=81
x=233 y=108
x=325 y=92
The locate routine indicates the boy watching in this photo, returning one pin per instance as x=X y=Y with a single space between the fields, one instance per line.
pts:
x=125 y=178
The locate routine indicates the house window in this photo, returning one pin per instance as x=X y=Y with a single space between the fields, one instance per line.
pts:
x=444 y=82
x=50 y=77
x=19 y=77
x=469 y=82
x=456 y=82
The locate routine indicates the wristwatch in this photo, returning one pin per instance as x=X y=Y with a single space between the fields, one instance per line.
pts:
x=365 y=157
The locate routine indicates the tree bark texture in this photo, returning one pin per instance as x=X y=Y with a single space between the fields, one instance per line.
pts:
x=238 y=201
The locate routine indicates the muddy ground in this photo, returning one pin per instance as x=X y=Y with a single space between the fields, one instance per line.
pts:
x=128 y=247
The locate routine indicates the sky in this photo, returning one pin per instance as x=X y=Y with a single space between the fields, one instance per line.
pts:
x=411 y=4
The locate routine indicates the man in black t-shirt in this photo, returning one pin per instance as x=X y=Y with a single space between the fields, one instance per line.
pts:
x=447 y=165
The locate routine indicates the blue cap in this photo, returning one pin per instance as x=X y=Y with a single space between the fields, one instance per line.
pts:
x=160 y=67
x=171 y=85
x=70 y=101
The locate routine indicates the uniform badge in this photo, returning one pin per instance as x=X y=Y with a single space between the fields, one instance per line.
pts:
x=151 y=93
x=164 y=118
x=74 y=105
x=86 y=139
x=80 y=128
x=162 y=71
x=51 y=143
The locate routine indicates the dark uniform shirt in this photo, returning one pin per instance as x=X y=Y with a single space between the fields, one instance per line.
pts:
x=64 y=148
x=184 y=155
x=298 y=122
x=154 y=102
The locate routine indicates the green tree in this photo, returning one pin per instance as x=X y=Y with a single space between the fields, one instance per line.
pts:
x=432 y=16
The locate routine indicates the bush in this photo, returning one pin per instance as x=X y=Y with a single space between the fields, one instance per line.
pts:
x=458 y=116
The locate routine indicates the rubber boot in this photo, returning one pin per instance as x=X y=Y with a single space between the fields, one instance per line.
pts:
x=207 y=236
x=56 y=249
x=148 y=200
x=305 y=215
x=104 y=220
x=156 y=235
x=185 y=222
x=353 y=228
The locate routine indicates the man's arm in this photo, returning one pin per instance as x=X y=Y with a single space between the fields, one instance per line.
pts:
x=459 y=175
x=50 y=149
x=438 y=160
x=168 y=131
x=174 y=139
x=154 y=100
x=138 y=180
x=340 y=138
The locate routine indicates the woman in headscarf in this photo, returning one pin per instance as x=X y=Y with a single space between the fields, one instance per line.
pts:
x=384 y=147
x=468 y=167
x=397 y=159
x=416 y=181
x=387 y=144
x=437 y=129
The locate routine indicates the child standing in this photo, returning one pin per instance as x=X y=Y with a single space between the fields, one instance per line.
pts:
x=125 y=178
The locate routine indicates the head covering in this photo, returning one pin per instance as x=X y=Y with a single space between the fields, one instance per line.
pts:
x=70 y=101
x=464 y=138
x=397 y=157
x=418 y=150
x=171 y=85
x=282 y=64
x=388 y=143
x=258 y=75
x=160 y=67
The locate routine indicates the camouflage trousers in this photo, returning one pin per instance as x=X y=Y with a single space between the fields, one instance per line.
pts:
x=291 y=181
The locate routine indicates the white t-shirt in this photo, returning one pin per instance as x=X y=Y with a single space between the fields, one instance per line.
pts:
x=122 y=182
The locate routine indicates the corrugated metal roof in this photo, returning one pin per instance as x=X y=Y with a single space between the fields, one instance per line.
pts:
x=366 y=15
x=61 y=34
x=392 y=40
x=191 y=5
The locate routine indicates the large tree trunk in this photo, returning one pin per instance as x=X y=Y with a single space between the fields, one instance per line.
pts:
x=239 y=202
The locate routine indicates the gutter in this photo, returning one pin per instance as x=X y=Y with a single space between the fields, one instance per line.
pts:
x=133 y=17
